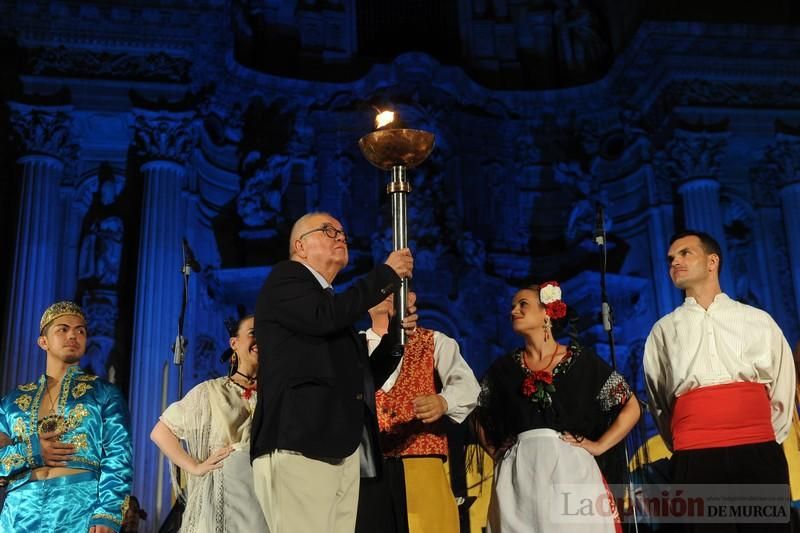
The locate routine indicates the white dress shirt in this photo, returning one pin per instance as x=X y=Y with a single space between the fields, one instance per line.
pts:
x=460 y=389
x=320 y=277
x=729 y=342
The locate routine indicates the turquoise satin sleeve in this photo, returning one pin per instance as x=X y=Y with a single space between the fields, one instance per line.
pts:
x=116 y=462
x=14 y=456
x=12 y=460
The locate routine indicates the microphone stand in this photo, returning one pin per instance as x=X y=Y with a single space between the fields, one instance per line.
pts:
x=608 y=325
x=179 y=347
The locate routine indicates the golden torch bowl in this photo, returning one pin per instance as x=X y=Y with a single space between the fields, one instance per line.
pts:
x=395 y=147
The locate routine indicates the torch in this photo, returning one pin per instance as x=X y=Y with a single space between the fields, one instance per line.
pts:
x=396 y=149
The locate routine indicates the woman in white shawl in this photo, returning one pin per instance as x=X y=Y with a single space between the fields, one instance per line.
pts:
x=213 y=420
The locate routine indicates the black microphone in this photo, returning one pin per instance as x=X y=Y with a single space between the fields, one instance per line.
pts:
x=600 y=227
x=189 y=262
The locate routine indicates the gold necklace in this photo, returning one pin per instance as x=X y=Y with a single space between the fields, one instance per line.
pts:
x=52 y=421
x=50 y=397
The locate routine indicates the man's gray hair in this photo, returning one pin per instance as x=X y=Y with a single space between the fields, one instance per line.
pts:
x=299 y=228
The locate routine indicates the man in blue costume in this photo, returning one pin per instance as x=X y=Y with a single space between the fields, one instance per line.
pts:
x=67 y=457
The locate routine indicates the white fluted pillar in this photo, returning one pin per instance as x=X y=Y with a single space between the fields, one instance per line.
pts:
x=701 y=209
x=660 y=226
x=158 y=295
x=35 y=264
x=44 y=134
x=163 y=141
x=702 y=212
x=790 y=203
x=659 y=229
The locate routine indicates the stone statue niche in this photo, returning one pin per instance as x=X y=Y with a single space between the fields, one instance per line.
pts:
x=102 y=236
x=99 y=264
x=252 y=228
x=260 y=202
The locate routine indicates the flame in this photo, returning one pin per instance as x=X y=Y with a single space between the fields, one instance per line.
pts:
x=384 y=118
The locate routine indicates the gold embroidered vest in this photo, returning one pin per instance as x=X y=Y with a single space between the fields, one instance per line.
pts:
x=402 y=435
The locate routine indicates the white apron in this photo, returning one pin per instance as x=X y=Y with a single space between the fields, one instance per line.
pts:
x=544 y=485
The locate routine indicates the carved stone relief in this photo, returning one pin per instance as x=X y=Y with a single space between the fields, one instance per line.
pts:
x=161 y=137
x=42 y=131
x=259 y=203
x=84 y=63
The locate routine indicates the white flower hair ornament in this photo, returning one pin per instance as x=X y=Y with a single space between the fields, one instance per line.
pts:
x=550 y=296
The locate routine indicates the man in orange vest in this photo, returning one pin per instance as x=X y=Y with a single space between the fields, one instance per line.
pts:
x=411 y=407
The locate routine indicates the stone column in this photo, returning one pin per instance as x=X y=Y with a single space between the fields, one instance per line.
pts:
x=692 y=160
x=782 y=170
x=163 y=142
x=701 y=206
x=44 y=136
x=790 y=203
x=660 y=227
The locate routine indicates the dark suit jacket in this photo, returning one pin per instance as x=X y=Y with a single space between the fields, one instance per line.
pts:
x=315 y=382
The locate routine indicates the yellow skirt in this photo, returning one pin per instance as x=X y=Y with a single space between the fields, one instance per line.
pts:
x=479 y=486
x=431 y=504
x=791 y=447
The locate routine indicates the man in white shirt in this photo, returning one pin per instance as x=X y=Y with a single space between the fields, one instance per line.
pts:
x=411 y=406
x=720 y=379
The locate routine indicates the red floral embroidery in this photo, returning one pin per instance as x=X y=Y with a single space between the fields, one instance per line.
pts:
x=538 y=385
x=248 y=392
x=528 y=386
x=543 y=375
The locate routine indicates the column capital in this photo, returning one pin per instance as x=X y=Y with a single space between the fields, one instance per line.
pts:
x=778 y=168
x=43 y=131
x=791 y=189
x=692 y=155
x=162 y=136
x=690 y=185
x=783 y=157
x=163 y=164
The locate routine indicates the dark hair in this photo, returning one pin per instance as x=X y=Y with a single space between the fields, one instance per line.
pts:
x=232 y=325
x=707 y=242
x=566 y=325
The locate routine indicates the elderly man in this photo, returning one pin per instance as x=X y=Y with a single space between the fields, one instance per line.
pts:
x=316 y=389
x=70 y=462
x=720 y=378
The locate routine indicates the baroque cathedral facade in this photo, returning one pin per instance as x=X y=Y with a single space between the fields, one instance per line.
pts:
x=136 y=125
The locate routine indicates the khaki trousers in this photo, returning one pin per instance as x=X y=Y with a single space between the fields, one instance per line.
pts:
x=298 y=494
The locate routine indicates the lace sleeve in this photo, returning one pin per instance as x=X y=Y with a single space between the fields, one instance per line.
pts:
x=183 y=417
x=485 y=394
x=614 y=392
x=491 y=414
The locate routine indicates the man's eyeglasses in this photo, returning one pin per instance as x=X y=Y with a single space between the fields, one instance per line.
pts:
x=329 y=231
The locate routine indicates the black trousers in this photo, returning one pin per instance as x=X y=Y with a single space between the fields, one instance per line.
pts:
x=749 y=464
x=382 y=501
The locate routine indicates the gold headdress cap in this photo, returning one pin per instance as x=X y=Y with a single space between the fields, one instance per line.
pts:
x=57 y=310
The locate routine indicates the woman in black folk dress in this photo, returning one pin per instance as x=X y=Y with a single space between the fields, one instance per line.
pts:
x=543 y=415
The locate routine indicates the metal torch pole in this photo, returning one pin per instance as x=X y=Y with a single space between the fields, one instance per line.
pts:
x=398 y=189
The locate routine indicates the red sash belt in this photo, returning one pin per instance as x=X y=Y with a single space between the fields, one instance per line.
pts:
x=716 y=416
